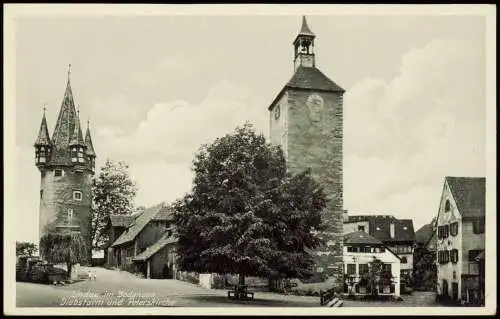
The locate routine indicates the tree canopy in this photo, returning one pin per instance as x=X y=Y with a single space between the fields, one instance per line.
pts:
x=25 y=248
x=245 y=214
x=113 y=194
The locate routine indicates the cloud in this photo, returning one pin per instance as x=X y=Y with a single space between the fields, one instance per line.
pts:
x=403 y=136
x=162 y=146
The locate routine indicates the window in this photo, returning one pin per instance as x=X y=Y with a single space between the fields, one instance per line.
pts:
x=454 y=228
x=361 y=228
x=81 y=159
x=351 y=269
x=478 y=226
x=366 y=249
x=473 y=254
x=363 y=269
x=443 y=256
x=70 y=215
x=349 y=249
x=454 y=256
x=446 y=231
x=386 y=267
x=77 y=195
x=404 y=260
x=382 y=249
x=58 y=172
x=41 y=194
x=447 y=206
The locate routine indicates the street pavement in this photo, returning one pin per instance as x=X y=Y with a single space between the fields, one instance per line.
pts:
x=113 y=288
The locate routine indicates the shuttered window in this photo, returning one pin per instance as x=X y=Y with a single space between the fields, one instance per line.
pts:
x=454 y=229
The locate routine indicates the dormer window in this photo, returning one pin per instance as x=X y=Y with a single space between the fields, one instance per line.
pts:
x=77 y=155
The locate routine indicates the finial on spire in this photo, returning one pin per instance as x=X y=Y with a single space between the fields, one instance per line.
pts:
x=305 y=30
x=44 y=108
x=69 y=72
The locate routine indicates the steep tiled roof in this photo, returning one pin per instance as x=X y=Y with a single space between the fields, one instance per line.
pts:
x=43 y=138
x=313 y=79
x=156 y=247
x=120 y=220
x=77 y=137
x=424 y=234
x=164 y=213
x=379 y=227
x=360 y=237
x=88 y=143
x=469 y=194
x=309 y=79
x=138 y=224
x=63 y=130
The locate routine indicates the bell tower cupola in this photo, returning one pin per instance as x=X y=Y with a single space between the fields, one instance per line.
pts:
x=304 y=47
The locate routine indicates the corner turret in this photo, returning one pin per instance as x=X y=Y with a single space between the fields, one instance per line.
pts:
x=42 y=144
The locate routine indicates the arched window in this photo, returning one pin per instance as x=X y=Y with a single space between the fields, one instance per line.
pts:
x=447 y=206
x=404 y=260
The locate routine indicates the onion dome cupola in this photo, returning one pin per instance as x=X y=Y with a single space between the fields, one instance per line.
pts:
x=43 y=145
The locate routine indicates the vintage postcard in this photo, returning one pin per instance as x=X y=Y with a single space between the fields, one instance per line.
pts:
x=249 y=159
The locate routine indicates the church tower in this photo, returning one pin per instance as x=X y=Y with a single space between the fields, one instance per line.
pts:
x=66 y=163
x=306 y=119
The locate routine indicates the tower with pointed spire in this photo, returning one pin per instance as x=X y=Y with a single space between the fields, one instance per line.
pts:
x=306 y=119
x=66 y=162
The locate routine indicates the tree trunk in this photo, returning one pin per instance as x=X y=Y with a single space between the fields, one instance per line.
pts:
x=241 y=280
x=69 y=267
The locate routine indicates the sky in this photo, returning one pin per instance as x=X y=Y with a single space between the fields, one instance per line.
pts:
x=156 y=88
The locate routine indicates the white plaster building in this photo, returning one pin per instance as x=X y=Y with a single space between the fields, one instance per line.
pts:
x=460 y=239
x=397 y=234
x=360 y=249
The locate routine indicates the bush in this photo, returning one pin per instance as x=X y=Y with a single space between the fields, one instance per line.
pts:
x=219 y=281
x=47 y=273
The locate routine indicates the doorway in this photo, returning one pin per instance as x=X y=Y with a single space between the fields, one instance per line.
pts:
x=445 y=288
x=454 y=291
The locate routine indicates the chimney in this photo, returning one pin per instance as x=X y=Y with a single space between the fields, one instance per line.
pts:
x=392 y=229
x=345 y=216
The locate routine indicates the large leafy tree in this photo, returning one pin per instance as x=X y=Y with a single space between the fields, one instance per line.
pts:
x=25 y=248
x=113 y=194
x=245 y=214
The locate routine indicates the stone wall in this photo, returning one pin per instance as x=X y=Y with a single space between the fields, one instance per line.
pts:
x=314 y=137
x=56 y=197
